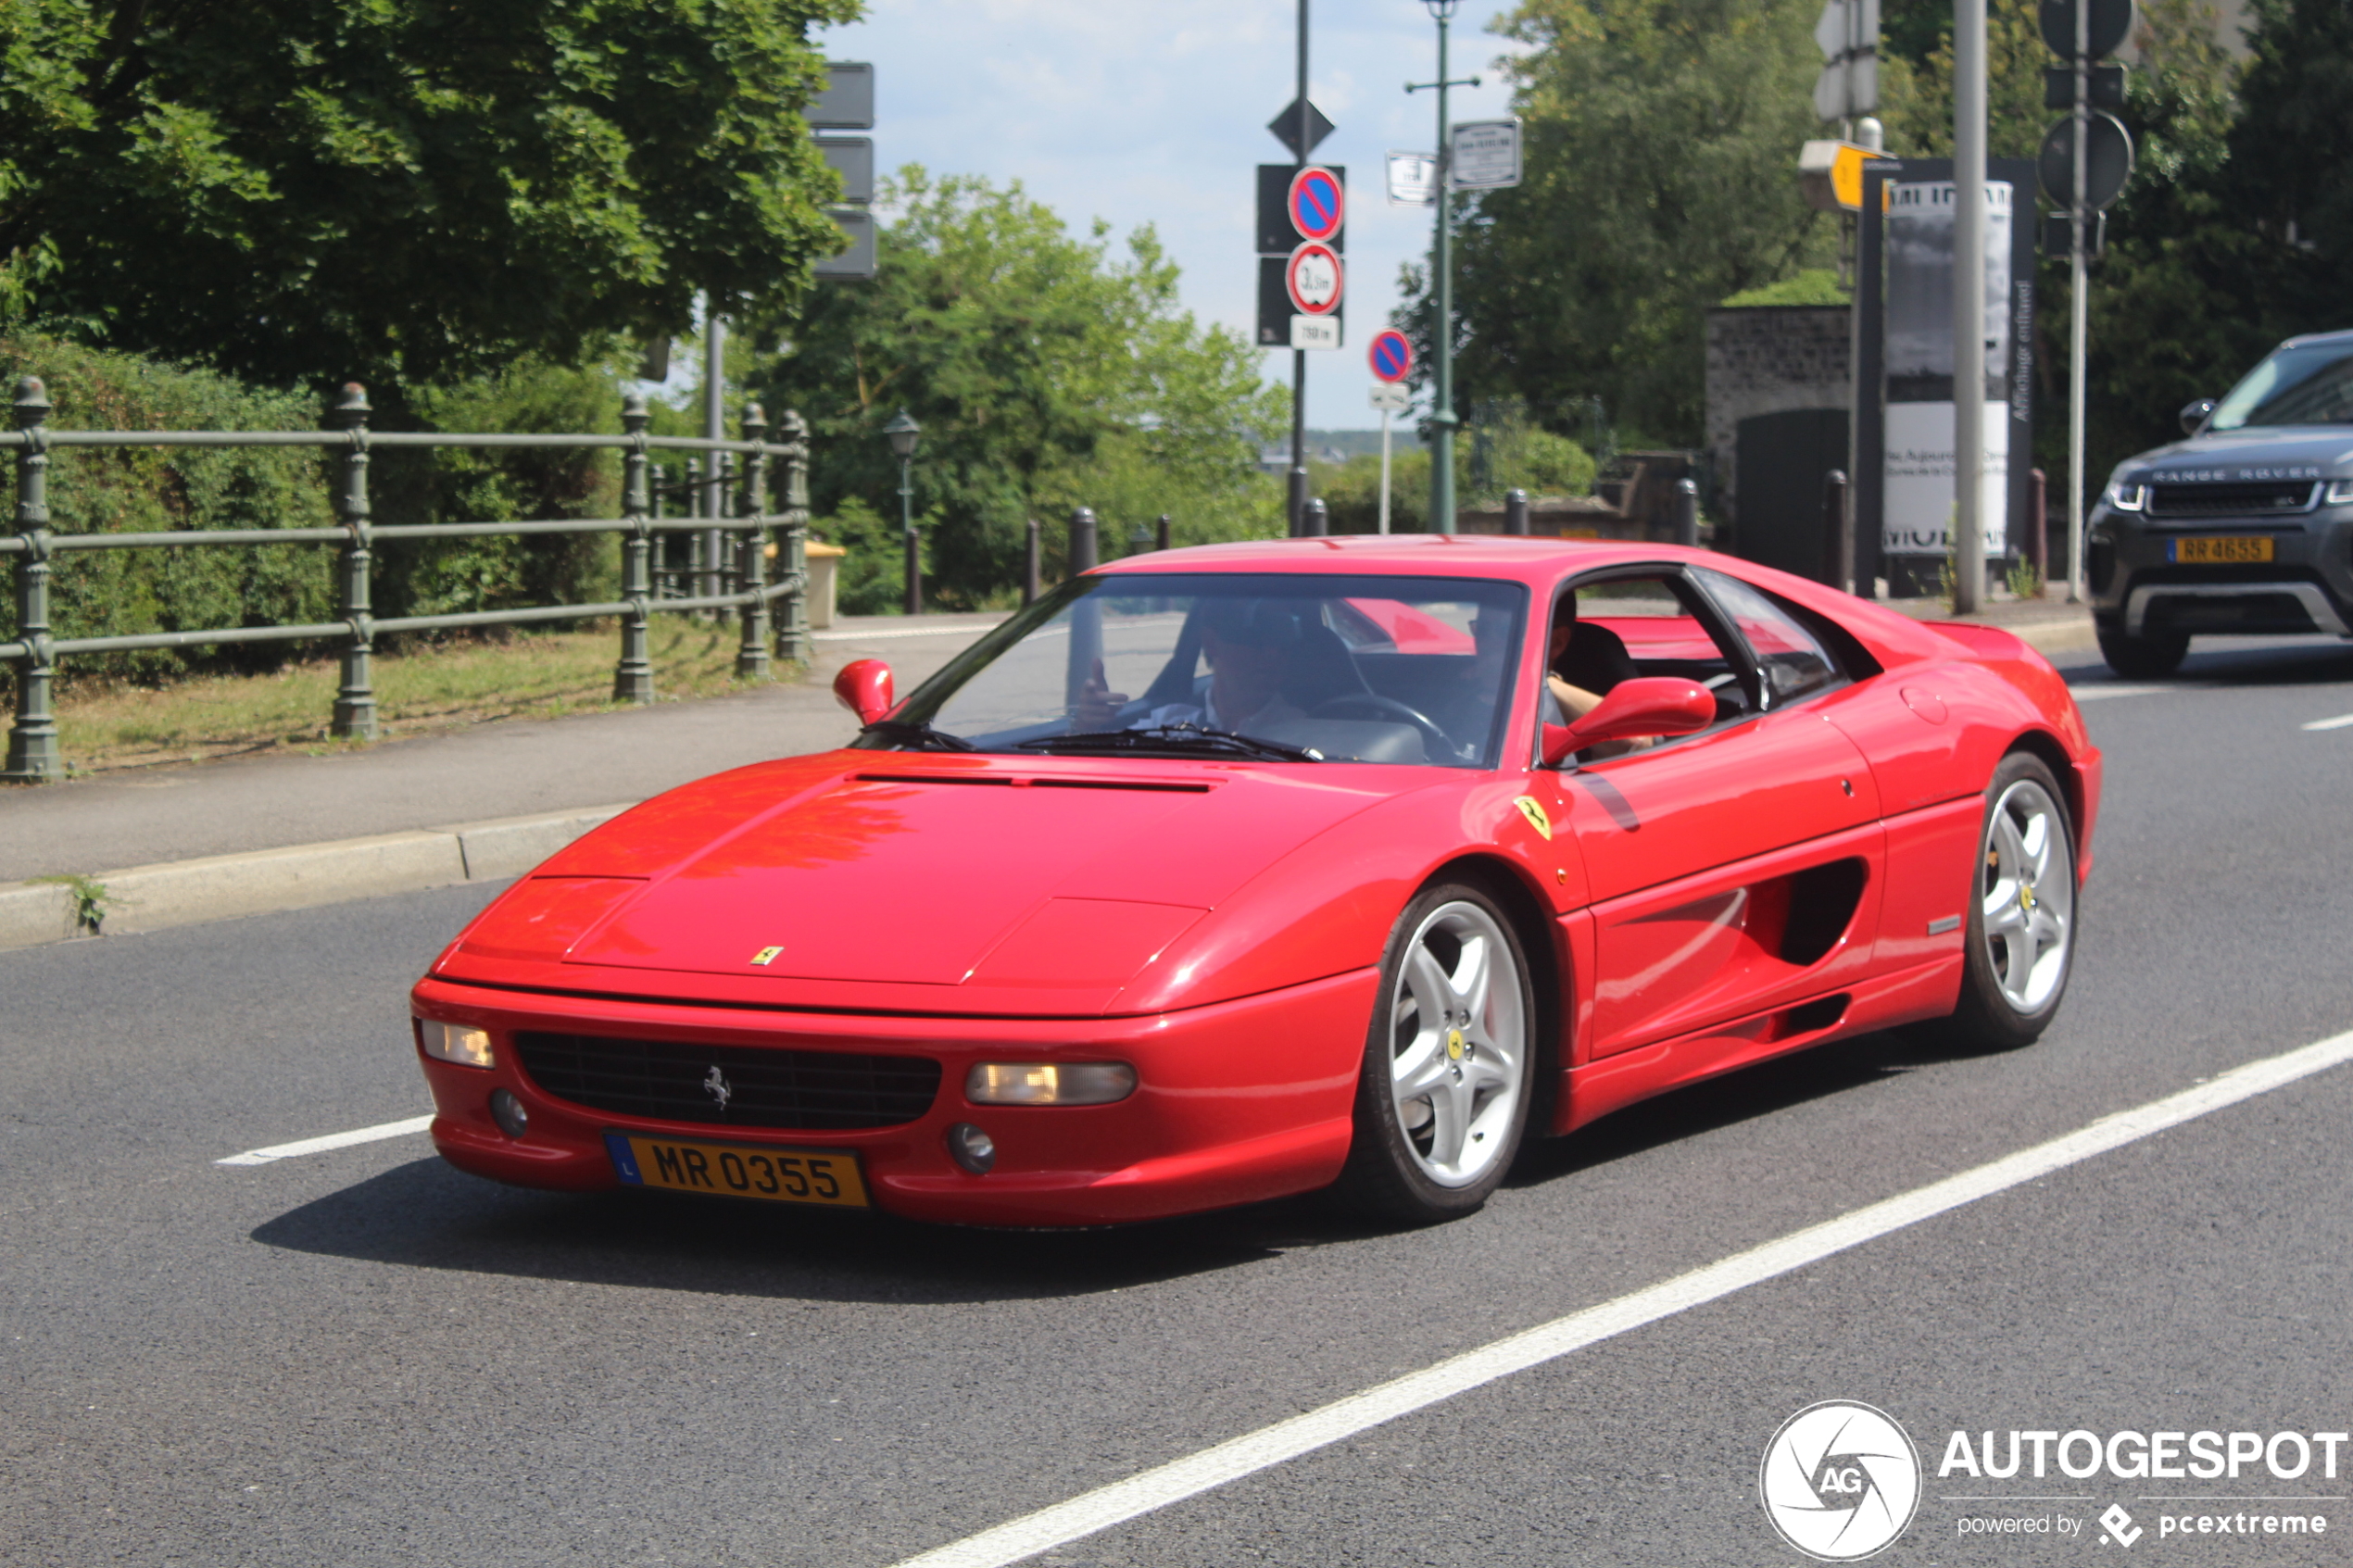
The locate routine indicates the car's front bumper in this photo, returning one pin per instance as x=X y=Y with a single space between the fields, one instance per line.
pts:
x=2306 y=587
x=1236 y=1102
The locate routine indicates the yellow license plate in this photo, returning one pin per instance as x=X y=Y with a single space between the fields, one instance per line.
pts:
x=722 y=1170
x=2218 y=549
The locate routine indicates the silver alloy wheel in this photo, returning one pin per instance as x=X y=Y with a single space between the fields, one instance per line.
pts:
x=2029 y=886
x=1458 y=1044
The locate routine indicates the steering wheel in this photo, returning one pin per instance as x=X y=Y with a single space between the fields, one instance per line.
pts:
x=1435 y=741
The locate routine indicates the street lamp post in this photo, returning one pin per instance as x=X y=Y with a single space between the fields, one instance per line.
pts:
x=1441 y=414
x=905 y=433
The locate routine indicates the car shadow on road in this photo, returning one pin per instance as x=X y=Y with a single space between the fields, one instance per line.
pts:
x=2248 y=662
x=1747 y=1095
x=425 y=1214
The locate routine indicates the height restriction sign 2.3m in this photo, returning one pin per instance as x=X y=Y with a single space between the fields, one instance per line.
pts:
x=1314 y=278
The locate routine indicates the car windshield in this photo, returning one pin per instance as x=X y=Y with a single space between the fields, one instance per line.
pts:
x=1292 y=668
x=2308 y=385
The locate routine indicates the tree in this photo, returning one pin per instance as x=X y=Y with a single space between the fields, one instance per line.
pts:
x=1662 y=140
x=1044 y=373
x=407 y=191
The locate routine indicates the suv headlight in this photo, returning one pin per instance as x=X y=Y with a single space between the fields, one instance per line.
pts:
x=2340 y=492
x=2128 y=498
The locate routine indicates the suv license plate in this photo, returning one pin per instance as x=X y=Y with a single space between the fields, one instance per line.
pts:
x=2218 y=549
x=719 y=1170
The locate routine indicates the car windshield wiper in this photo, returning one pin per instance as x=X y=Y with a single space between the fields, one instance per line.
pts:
x=1174 y=737
x=917 y=733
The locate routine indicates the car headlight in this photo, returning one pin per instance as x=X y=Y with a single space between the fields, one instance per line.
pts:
x=2126 y=497
x=1048 y=1083
x=460 y=1043
x=2340 y=492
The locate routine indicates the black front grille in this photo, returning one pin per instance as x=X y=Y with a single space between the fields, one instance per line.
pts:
x=2230 y=500
x=678 y=1080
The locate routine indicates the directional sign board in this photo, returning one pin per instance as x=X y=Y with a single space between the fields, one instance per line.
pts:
x=1390 y=356
x=1314 y=280
x=1316 y=204
x=1277 y=233
x=852 y=158
x=2109 y=166
x=1413 y=178
x=1486 y=154
x=2111 y=21
x=1848 y=36
x=858 y=260
x=848 y=101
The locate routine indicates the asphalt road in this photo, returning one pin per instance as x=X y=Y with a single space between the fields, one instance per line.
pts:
x=360 y=1357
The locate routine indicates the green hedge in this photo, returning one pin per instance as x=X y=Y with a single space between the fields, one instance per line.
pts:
x=116 y=593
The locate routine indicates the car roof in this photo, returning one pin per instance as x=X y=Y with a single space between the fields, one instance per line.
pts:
x=2342 y=335
x=1435 y=555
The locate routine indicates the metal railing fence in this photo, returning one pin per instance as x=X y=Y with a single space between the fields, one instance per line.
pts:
x=739 y=583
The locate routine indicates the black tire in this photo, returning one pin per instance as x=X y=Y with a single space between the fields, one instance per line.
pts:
x=2000 y=1010
x=1400 y=1170
x=2144 y=659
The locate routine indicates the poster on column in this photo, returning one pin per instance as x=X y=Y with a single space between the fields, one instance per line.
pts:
x=1918 y=506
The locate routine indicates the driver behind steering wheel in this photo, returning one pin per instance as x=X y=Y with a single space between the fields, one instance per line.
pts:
x=1248 y=644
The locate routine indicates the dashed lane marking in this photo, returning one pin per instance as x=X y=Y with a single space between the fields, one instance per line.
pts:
x=1254 y=1451
x=2340 y=721
x=333 y=1140
x=2091 y=694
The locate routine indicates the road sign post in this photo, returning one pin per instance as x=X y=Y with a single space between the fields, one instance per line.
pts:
x=1442 y=407
x=2089 y=163
x=1391 y=359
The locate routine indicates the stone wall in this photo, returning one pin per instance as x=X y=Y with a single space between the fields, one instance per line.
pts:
x=1764 y=360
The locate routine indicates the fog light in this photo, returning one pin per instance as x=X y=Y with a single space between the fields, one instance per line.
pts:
x=973 y=1150
x=508 y=1111
x=1048 y=1083
x=455 y=1042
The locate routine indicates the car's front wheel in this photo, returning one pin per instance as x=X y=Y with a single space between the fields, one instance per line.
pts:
x=2144 y=659
x=2020 y=920
x=1443 y=1100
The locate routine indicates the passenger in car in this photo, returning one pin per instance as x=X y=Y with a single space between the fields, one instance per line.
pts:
x=1581 y=664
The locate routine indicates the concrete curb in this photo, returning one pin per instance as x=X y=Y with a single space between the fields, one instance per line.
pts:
x=301 y=876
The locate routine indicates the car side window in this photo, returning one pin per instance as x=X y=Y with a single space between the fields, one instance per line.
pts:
x=1792 y=660
x=1632 y=625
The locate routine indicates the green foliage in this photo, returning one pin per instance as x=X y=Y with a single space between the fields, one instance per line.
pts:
x=1814 y=285
x=873 y=577
x=1916 y=92
x=1045 y=373
x=1352 y=492
x=92 y=901
x=113 y=593
x=405 y=191
x=1661 y=136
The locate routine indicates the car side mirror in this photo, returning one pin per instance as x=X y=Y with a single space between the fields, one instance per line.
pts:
x=2195 y=413
x=863 y=687
x=1651 y=705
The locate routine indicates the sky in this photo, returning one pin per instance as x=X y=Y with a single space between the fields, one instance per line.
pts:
x=1141 y=112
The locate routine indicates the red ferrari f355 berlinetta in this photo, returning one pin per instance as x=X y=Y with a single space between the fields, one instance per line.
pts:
x=1230 y=872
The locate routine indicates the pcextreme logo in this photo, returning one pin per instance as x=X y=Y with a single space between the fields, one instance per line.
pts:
x=1840 y=1481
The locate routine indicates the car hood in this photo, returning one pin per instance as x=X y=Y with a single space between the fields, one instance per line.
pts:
x=2250 y=455
x=919 y=870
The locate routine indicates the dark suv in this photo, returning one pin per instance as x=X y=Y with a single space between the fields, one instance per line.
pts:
x=2246 y=528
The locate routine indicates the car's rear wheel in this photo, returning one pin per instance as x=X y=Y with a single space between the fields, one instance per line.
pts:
x=2021 y=916
x=2144 y=659
x=1443 y=1100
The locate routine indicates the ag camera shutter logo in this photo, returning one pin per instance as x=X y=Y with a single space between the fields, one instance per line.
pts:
x=1841 y=1481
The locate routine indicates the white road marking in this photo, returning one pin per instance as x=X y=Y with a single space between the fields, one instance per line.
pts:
x=1231 y=1460
x=333 y=1140
x=2337 y=723
x=2089 y=694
